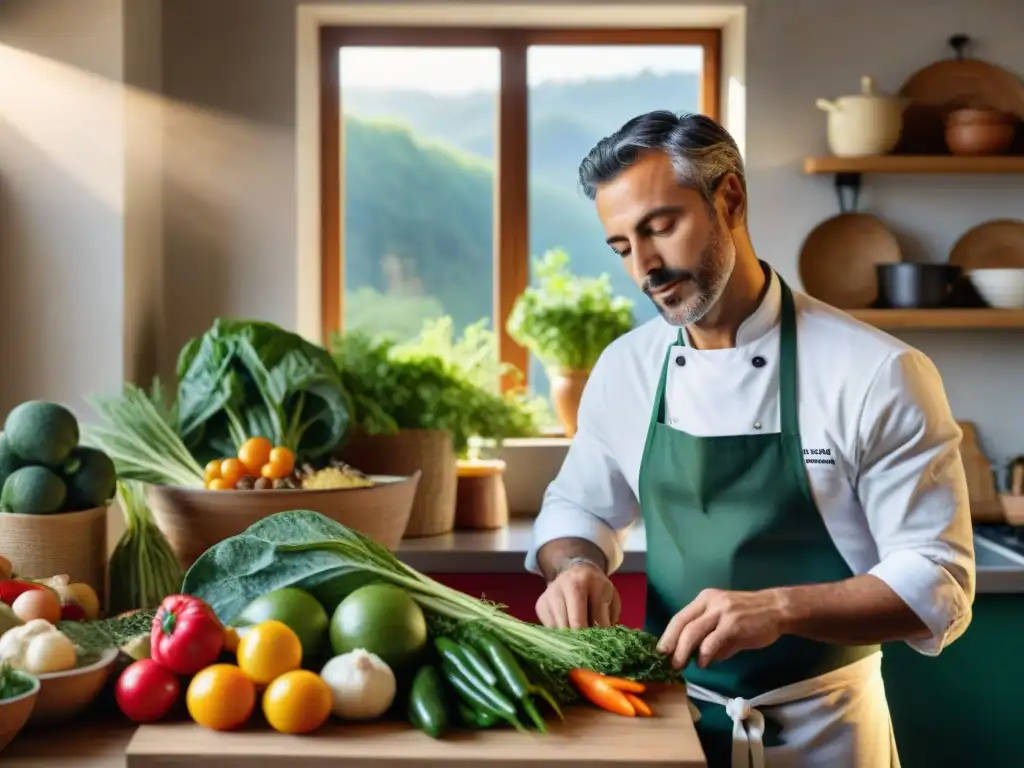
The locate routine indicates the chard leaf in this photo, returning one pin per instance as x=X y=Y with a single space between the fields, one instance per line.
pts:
x=247 y=378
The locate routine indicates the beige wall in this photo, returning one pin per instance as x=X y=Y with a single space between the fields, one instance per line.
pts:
x=229 y=224
x=80 y=213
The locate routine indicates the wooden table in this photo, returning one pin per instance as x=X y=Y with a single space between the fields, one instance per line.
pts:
x=587 y=737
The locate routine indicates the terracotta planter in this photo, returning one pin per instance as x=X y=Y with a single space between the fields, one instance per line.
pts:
x=566 y=392
x=413 y=450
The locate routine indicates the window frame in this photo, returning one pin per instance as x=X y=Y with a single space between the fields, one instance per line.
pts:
x=511 y=178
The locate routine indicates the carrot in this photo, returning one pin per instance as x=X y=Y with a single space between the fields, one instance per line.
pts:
x=618 y=683
x=643 y=709
x=597 y=690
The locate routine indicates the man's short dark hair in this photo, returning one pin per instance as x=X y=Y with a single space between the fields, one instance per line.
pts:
x=702 y=152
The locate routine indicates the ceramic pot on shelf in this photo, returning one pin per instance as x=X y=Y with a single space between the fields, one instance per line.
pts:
x=979 y=132
x=865 y=123
x=566 y=393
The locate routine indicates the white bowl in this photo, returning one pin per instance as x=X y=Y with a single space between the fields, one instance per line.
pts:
x=1002 y=288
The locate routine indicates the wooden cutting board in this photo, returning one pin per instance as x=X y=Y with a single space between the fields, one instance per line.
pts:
x=588 y=737
x=981 y=486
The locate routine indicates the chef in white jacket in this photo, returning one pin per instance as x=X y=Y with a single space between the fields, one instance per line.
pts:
x=797 y=472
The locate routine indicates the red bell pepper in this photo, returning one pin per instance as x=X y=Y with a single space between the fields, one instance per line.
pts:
x=187 y=635
x=11 y=589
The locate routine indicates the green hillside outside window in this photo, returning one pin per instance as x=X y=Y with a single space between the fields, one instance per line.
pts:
x=419 y=125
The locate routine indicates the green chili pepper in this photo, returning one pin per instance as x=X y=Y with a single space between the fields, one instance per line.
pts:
x=427 y=705
x=468 y=657
x=496 y=701
x=511 y=677
x=472 y=696
x=474 y=718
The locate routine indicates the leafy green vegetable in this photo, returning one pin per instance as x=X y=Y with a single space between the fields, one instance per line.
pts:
x=138 y=431
x=14 y=682
x=433 y=382
x=143 y=567
x=308 y=550
x=92 y=638
x=568 y=320
x=245 y=378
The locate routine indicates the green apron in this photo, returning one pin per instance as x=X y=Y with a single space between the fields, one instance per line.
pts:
x=736 y=513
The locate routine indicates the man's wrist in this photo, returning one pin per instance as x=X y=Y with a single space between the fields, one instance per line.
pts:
x=577 y=560
x=554 y=555
x=791 y=609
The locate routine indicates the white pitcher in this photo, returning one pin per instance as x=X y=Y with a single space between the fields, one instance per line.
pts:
x=864 y=123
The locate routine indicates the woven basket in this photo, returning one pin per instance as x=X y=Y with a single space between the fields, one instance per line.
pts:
x=425 y=450
x=75 y=543
x=194 y=519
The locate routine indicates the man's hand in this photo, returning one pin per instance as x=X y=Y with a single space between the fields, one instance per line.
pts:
x=581 y=596
x=719 y=624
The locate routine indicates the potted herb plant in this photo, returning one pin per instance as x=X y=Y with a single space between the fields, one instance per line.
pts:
x=567 y=320
x=416 y=406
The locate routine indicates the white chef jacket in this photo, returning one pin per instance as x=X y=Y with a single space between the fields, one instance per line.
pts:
x=881 y=447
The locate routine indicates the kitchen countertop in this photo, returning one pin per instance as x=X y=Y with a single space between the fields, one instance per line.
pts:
x=1000 y=570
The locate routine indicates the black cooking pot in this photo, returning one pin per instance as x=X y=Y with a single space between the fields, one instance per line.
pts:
x=907 y=285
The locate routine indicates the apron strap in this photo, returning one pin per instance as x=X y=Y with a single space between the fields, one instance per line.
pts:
x=788 y=413
x=789 y=420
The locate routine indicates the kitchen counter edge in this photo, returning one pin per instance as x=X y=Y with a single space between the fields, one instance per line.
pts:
x=504 y=551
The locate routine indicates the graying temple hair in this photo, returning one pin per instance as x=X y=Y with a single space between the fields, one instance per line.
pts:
x=702 y=152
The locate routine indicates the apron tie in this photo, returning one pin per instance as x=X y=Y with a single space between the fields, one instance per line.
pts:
x=747 y=720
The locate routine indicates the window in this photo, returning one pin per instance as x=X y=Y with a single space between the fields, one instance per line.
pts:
x=450 y=156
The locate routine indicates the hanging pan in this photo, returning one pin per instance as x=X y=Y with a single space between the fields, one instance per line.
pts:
x=840 y=256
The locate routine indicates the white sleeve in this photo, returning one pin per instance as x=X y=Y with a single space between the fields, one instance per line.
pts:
x=589 y=498
x=912 y=486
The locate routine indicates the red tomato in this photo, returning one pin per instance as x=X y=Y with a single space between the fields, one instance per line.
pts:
x=187 y=635
x=145 y=691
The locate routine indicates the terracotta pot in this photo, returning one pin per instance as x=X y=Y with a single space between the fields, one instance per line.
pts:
x=979 y=131
x=566 y=392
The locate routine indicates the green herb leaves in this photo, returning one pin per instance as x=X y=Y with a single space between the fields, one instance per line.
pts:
x=568 y=320
x=433 y=382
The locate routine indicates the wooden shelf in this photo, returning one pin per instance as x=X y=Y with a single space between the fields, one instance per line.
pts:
x=950 y=319
x=914 y=164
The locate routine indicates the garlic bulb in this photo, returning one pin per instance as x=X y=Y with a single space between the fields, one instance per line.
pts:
x=362 y=685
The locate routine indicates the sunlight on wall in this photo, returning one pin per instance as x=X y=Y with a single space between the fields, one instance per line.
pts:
x=66 y=113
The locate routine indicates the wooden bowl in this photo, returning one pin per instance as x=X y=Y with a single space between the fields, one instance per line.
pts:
x=62 y=695
x=194 y=519
x=14 y=713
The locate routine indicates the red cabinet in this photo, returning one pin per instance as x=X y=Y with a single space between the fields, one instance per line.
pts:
x=520 y=591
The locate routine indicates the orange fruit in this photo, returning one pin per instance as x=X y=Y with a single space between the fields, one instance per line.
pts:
x=219 y=484
x=268 y=650
x=232 y=470
x=230 y=639
x=297 y=702
x=212 y=470
x=280 y=464
x=254 y=453
x=220 y=697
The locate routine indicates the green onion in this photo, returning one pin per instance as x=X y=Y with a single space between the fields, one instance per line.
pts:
x=139 y=436
x=143 y=567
